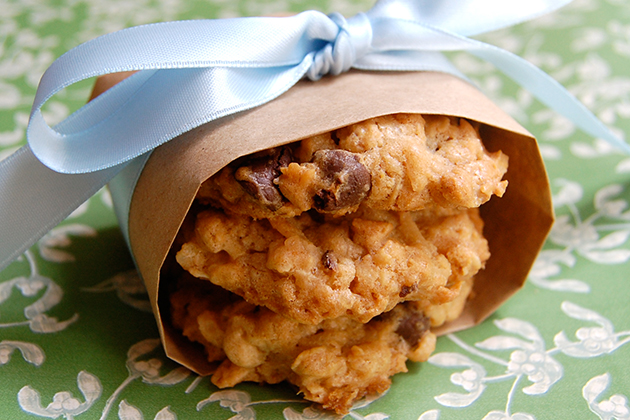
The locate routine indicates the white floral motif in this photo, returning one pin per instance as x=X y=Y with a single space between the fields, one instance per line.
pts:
x=606 y=95
x=313 y=413
x=593 y=341
x=127 y=411
x=616 y=90
x=240 y=403
x=148 y=370
x=500 y=415
x=27 y=53
x=60 y=237
x=63 y=403
x=547 y=264
x=108 y=16
x=471 y=379
x=621 y=37
x=616 y=407
x=237 y=401
x=309 y=413
x=531 y=359
x=582 y=237
x=32 y=353
x=36 y=318
x=430 y=415
x=128 y=285
x=589 y=77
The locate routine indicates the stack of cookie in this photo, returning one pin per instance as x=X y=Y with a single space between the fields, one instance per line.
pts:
x=327 y=262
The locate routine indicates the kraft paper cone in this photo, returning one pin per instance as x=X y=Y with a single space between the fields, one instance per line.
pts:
x=516 y=225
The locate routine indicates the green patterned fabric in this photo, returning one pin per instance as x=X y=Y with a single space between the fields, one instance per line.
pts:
x=78 y=340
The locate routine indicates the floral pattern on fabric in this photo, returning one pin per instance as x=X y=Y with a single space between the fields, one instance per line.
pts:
x=77 y=337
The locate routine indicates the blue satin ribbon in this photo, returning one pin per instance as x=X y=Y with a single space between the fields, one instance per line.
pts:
x=193 y=72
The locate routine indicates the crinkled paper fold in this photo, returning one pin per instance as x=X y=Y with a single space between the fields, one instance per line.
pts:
x=516 y=225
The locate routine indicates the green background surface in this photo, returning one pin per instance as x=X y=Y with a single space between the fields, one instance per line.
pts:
x=560 y=348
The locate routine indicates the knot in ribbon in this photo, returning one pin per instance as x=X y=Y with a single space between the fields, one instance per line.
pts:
x=193 y=72
x=352 y=42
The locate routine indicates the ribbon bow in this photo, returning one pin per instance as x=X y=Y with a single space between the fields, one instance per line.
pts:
x=193 y=72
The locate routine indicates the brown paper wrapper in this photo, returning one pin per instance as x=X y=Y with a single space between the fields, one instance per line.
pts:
x=516 y=225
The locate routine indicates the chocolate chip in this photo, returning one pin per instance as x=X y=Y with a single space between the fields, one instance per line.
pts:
x=405 y=290
x=258 y=174
x=412 y=327
x=329 y=260
x=325 y=200
x=347 y=180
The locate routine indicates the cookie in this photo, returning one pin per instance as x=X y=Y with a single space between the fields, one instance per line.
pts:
x=310 y=268
x=333 y=363
x=326 y=262
x=402 y=162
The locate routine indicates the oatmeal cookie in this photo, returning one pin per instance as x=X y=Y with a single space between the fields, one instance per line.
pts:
x=311 y=267
x=403 y=162
x=333 y=363
x=329 y=260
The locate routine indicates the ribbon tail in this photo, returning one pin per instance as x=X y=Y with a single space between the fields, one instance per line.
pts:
x=549 y=92
x=528 y=76
x=466 y=17
x=34 y=199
